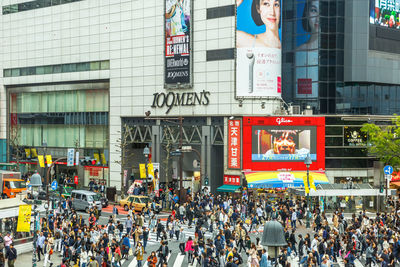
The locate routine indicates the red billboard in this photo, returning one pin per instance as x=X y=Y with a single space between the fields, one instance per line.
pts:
x=232 y=179
x=234 y=144
x=283 y=143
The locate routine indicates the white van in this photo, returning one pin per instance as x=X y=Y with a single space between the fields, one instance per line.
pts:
x=84 y=200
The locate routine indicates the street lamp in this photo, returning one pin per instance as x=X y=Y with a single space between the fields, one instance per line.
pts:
x=273 y=237
x=36 y=182
x=146 y=153
x=308 y=162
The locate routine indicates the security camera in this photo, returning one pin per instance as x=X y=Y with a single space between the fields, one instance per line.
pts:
x=147 y=113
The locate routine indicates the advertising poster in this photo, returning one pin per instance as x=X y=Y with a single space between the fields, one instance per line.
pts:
x=259 y=52
x=234 y=144
x=177 y=42
x=284 y=143
x=307 y=29
x=385 y=13
x=24 y=218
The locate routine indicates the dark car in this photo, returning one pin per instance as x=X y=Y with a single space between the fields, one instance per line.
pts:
x=103 y=200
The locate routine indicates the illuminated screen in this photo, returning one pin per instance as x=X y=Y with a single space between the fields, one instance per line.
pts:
x=283 y=143
x=385 y=13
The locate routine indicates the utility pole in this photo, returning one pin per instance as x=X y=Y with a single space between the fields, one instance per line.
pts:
x=181 y=159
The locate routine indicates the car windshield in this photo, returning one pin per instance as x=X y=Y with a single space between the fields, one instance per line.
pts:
x=17 y=184
x=96 y=197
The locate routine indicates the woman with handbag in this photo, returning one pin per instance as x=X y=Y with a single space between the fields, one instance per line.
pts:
x=139 y=252
x=152 y=259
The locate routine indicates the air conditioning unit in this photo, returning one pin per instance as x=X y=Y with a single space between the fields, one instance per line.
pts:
x=294 y=110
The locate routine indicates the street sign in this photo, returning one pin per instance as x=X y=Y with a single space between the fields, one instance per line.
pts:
x=54 y=185
x=175 y=153
x=70 y=157
x=388 y=170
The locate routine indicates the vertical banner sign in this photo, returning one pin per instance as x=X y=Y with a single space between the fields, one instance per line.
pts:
x=177 y=42
x=96 y=157
x=41 y=161
x=156 y=181
x=150 y=171
x=234 y=149
x=49 y=160
x=76 y=179
x=258 y=43
x=103 y=159
x=70 y=157
x=142 y=168
x=24 y=218
x=77 y=158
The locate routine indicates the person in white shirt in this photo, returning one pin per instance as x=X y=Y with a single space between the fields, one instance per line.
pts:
x=83 y=259
x=293 y=219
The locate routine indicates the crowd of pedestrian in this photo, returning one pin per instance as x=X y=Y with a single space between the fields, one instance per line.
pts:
x=233 y=226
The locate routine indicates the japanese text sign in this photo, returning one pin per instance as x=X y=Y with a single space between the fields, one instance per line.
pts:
x=234 y=142
x=232 y=179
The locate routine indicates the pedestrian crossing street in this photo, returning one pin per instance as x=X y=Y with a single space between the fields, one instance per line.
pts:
x=189 y=232
x=176 y=260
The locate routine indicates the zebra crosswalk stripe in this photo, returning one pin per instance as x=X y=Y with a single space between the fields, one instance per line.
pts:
x=179 y=260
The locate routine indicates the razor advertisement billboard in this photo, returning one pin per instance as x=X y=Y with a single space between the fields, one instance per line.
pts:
x=258 y=47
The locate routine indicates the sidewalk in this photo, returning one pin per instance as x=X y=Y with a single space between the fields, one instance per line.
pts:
x=26 y=260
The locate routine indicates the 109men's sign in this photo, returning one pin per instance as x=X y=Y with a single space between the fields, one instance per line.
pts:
x=172 y=99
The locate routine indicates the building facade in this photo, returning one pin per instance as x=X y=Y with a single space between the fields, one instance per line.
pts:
x=111 y=77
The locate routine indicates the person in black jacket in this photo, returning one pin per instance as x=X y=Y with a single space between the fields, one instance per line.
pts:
x=11 y=255
x=163 y=252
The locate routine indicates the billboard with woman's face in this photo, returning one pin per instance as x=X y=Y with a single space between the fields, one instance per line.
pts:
x=307 y=33
x=177 y=42
x=258 y=43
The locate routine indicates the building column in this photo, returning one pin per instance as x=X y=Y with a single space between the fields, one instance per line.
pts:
x=206 y=143
x=156 y=142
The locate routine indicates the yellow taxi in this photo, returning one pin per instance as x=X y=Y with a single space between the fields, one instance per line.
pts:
x=138 y=203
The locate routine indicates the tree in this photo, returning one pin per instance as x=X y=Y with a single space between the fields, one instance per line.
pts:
x=15 y=144
x=384 y=141
x=168 y=143
x=123 y=144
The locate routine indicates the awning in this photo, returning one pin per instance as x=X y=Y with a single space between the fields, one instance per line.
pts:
x=396 y=183
x=283 y=179
x=228 y=188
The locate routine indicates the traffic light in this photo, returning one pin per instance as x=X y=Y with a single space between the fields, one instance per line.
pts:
x=206 y=180
x=88 y=162
x=382 y=188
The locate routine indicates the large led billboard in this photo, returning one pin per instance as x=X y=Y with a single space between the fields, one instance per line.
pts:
x=283 y=143
x=385 y=13
x=259 y=49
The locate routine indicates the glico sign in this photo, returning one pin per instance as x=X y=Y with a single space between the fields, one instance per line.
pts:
x=283 y=143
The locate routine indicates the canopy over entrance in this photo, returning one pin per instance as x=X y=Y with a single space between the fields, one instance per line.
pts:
x=283 y=179
x=228 y=188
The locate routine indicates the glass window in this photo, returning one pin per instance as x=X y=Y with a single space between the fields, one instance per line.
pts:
x=48 y=69
x=73 y=67
x=105 y=65
x=83 y=66
x=95 y=65
x=39 y=70
x=333 y=130
x=66 y=68
x=24 y=71
x=7 y=73
x=57 y=68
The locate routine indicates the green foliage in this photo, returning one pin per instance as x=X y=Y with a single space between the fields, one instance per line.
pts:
x=384 y=141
